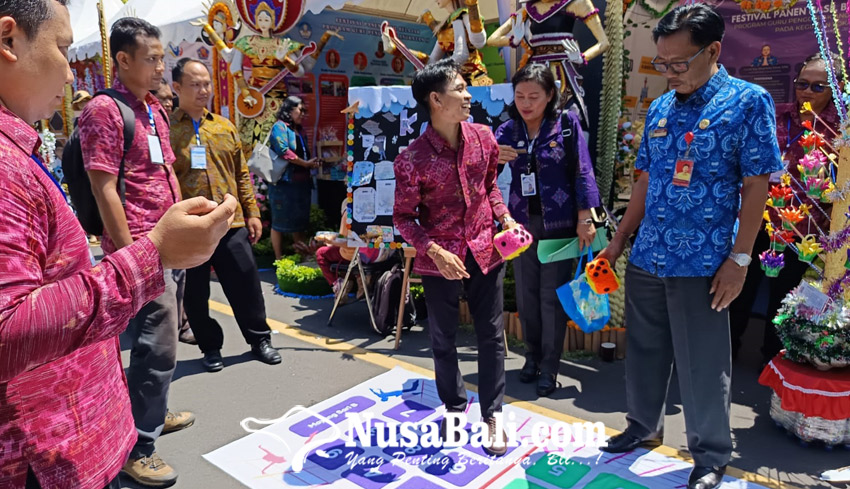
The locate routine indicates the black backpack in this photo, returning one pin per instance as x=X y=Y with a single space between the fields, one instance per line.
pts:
x=386 y=294
x=75 y=176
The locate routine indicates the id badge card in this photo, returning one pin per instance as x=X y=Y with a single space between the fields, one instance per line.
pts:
x=199 y=157
x=682 y=173
x=155 y=150
x=528 y=181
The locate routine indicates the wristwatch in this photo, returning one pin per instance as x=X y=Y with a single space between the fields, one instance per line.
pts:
x=741 y=259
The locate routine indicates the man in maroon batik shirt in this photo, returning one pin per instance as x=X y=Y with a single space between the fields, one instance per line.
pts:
x=65 y=419
x=446 y=179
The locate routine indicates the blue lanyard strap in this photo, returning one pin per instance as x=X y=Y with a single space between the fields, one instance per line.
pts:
x=788 y=140
x=197 y=126
x=49 y=175
x=150 y=118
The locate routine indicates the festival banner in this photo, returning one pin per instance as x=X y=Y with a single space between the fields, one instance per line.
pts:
x=768 y=47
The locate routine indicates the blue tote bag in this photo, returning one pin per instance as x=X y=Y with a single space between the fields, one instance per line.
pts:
x=589 y=310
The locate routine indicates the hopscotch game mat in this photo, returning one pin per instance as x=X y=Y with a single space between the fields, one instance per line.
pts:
x=308 y=448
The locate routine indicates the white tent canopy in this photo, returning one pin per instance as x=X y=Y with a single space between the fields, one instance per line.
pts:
x=172 y=17
x=84 y=21
x=402 y=9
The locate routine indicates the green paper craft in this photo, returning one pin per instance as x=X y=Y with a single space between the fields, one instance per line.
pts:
x=550 y=250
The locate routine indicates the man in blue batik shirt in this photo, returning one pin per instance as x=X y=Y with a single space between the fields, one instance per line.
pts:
x=707 y=151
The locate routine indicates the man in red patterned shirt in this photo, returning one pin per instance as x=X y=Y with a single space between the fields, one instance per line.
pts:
x=446 y=200
x=150 y=189
x=65 y=420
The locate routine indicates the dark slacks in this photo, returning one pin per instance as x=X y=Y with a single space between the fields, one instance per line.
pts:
x=485 y=297
x=778 y=287
x=236 y=269
x=153 y=358
x=544 y=321
x=671 y=319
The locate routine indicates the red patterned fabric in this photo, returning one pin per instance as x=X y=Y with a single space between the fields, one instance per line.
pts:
x=807 y=390
x=64 y=408
x=151 y=188
x=453 y=194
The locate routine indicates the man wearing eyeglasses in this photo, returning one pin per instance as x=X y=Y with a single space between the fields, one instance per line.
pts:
x=687 y=262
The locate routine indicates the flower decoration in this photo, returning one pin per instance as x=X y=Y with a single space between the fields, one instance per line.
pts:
x=815 y=187
x=772 y=262
x=812 y=164
x=790 y=217
x=808 y=249
x=811 y=141
x=780 y=239
x=807 y=107
x=779 y=195
x=807 y=125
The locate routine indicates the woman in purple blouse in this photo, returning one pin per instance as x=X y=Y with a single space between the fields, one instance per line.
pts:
x=552 y=191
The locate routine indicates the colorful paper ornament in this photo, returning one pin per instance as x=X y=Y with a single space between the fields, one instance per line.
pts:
x=808 y=249
x=816 y=186
x=772 y=263
x=779 y=195
x=780 y=239
x=790 y=217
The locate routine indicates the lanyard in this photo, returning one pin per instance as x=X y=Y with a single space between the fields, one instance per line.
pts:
x=197 y=126
x=50 y=176
x=150 y=118
x=303 y=145
x=788 y=140
x=531 y=143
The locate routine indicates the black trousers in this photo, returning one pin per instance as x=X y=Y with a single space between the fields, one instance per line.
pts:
x=485 y=297
x=32 y=482
x=236 y=269
x=741 y=308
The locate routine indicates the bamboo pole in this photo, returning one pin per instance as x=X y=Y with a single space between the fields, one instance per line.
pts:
x=834 y=268
x=106 y=60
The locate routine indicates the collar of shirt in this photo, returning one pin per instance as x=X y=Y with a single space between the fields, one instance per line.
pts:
x=19 y=132
x=181 y=114
x=133 y=101
x=706 y=92
x=438 y=142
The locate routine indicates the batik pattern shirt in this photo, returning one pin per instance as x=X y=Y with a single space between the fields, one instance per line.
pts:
x=688 y=231
x=64 y=408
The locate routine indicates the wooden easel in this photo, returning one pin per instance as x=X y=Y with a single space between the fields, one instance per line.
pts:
x=355 y=262
x=409 y=254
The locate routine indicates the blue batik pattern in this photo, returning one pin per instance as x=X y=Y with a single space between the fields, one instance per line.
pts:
x=688 y=231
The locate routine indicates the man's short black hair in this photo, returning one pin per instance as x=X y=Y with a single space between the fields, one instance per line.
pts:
x=30 y=15
x=703 y=23
x=180 y=67
x=433 y=78
x=126 y=33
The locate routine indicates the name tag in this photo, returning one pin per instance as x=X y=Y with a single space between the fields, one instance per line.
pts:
x=155 y=150
x=529 y=184
x=658 y=133
x=683 y=172
x=199 y=157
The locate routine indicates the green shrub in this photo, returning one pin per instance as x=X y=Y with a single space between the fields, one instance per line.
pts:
x=263 y=247
x=298 y=279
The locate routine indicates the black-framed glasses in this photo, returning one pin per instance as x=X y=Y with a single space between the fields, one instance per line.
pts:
x=816 y=87
x=677 y=67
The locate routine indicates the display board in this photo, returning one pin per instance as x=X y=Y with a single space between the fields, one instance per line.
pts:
x=265 y=460
x=386 y=122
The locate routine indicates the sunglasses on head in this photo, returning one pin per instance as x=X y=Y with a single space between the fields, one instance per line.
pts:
x=816 y=87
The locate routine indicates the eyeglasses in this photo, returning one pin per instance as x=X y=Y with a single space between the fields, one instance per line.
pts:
x=816 y=87
x=677 y=67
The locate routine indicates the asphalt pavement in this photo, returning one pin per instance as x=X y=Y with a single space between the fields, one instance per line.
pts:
x=321 y=361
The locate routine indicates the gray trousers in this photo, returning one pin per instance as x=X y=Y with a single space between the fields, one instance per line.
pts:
x=544 y=322
x=153 y=358
x=671 y=319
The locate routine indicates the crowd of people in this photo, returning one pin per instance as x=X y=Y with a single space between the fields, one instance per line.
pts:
x=179 y=201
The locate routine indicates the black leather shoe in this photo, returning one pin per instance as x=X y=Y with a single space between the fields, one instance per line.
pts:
x=626 y=442
x=530 y=371
x=212 y=361
x=266 y=353
x=546 y=385
x=706 y=477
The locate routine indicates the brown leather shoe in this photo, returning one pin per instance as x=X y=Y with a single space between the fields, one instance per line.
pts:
x=497 y=441
x=178 y=421
x=150 y=471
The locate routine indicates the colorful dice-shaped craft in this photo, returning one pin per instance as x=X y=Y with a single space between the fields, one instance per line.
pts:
x=510 y=243
x=600 y=277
